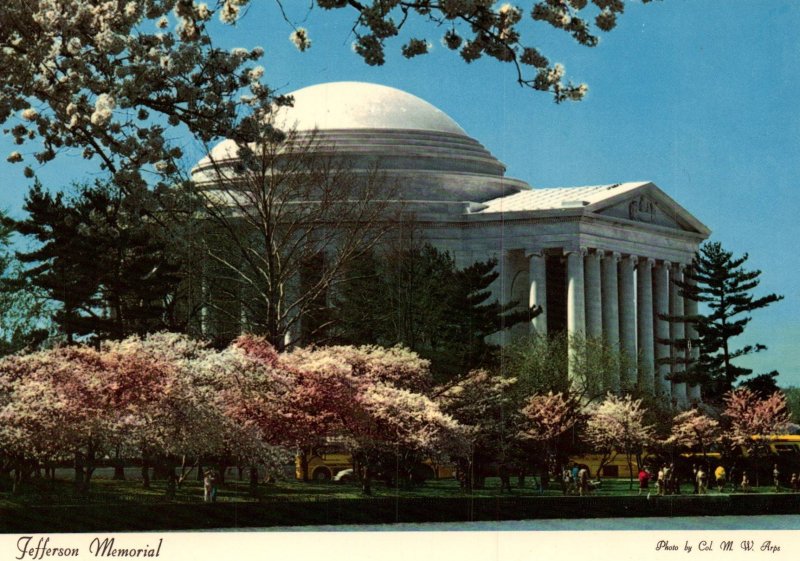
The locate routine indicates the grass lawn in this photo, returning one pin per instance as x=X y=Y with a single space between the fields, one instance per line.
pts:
x=105 y=490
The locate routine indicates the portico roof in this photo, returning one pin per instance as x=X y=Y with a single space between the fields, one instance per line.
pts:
x=616 y=201
x=558 y=197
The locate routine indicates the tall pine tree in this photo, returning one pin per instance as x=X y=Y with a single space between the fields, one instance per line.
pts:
x=719 y=280
x=102 y=261
x=417 y=297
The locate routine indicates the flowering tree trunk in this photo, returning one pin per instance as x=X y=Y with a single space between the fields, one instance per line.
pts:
x=119 y=465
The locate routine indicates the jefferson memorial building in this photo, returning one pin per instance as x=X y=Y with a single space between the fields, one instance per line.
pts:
x=599 y=260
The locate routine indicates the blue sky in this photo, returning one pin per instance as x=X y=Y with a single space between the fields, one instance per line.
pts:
x=698 y=97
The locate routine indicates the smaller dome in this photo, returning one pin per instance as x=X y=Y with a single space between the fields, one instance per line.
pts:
x=360 y=105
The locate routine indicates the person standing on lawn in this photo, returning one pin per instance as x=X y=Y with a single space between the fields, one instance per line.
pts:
x=565 y=481
x=745 y=486
x=207 y=486
x=660 y=482
x=668 y=479
x=583 y=482
x=701 y=481
x=694 y=478
x=210 y=487
x=644 y=481
x=674 y=483
x=776 y=476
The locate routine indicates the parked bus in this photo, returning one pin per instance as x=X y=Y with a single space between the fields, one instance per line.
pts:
x=327 y=461
x=783 y=449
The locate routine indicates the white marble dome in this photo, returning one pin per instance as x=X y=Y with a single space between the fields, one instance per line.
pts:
x=414 y=143
x=360 y=105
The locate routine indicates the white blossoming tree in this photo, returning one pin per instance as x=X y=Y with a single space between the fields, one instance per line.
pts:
x=482 y=401
x=545 y=417
x=114 y=79
x=618 y=425
x=751 y=421
x=164 y=399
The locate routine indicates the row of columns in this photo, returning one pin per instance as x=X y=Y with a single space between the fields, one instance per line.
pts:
x=622 y=299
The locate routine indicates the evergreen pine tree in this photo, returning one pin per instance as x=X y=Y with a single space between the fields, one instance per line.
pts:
x=418 y=298
x=62 y=266
x=22 y=310
x=476 y=315
x=719 y=280
x=104 y=265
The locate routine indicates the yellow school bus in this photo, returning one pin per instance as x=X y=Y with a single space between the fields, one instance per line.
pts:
x=785 y=446
x=784 y=449
x=327 y=461
x=616 y=467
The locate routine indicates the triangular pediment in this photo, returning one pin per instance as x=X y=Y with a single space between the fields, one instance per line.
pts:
x=642 y=209
x=647 y=204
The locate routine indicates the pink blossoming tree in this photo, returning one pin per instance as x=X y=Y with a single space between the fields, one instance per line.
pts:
x=545 y=417
x=752 y=421
x=366 y=396
x=693 y=430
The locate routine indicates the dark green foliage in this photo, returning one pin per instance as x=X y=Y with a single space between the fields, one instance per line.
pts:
x=763 y=385
x=792 y=394
x=101 y=259
x=719 y=280
x=22 y=324
x=540 y=364
x=419 y=298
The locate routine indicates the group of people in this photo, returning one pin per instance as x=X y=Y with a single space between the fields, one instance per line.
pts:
x=575 y=480
x=794 y=480
x=701 y=480
x=667 y=482
x=744 y=486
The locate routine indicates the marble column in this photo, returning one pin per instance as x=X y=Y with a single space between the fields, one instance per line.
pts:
x=537 y=295
x=592 y=295
x=677 y=335
x=693 y=352
x=506 y=281
x=576 y=317
x=610 y=298
x=627 y=321
x=644 y=316
x=661 y=329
